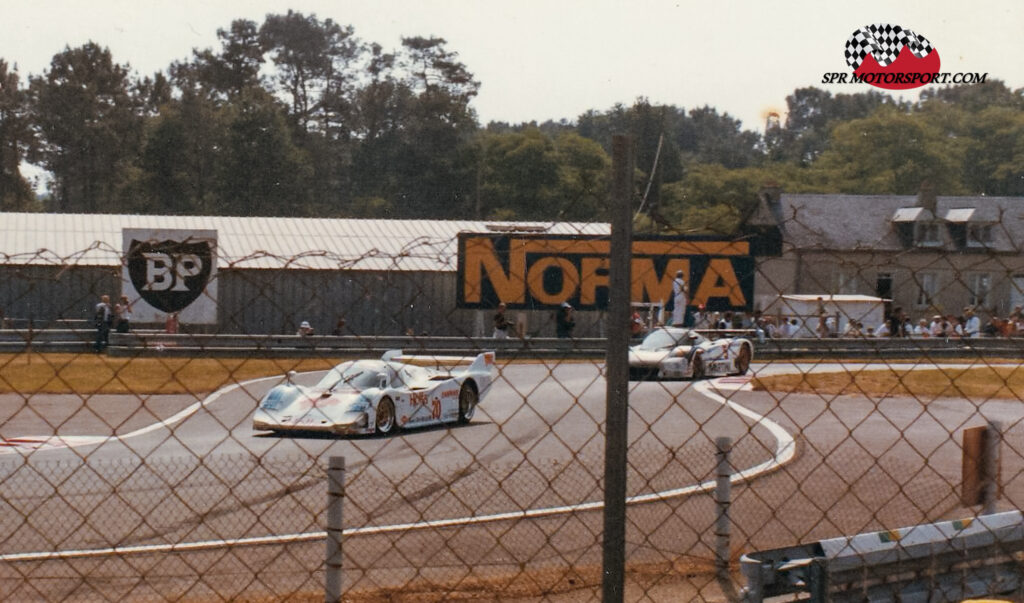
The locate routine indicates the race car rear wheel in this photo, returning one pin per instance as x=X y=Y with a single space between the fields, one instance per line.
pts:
x=468 y=398
x=386 y=422
x=743 y=360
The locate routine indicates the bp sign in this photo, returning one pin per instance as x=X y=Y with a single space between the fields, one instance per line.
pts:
x=171 y=271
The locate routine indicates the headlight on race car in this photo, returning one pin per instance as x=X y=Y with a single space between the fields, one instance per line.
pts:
x=362 y=404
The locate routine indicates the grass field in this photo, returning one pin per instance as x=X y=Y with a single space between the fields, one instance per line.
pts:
x=99 y=374
x=980 y=383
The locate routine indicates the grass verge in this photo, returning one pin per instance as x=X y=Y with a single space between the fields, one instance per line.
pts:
x=978 y=383
x=91 y=374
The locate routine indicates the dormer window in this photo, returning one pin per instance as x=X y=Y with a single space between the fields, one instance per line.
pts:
x=927 y=234
x=979 y=235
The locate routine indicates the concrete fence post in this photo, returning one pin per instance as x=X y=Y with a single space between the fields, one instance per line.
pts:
x=723 y=498
x=335 y=498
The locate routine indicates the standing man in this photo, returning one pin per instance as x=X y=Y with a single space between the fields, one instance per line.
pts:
x=678 y=300
x=564 y=322
x=102 y=318
x=501 y=323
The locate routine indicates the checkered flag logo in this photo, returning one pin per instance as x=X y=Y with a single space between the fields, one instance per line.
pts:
x=884 y=42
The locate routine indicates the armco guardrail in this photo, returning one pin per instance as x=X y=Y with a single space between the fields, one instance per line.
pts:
x=945 y=561
x=153 y=342
x=137 y=344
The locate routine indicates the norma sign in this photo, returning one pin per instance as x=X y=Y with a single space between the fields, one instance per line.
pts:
x=527 y=271
x=170 y=271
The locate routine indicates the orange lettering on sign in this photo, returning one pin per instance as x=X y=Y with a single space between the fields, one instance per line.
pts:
x=719 y=281
x=590 y=280
x=482 y=258
x=570 y=280
x=646 y=281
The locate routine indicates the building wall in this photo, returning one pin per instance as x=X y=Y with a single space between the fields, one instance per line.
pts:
x=277 y=301
x=951 y=278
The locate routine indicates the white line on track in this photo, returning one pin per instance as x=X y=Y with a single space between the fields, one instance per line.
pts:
x=26 y=444
x=785 y=451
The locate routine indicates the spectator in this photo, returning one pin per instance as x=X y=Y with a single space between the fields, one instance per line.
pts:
x=103 y=317
x=936 y=327
x=678 y=300
x=636 y=325
x=701 y=320
x=501 y=323
x=792 y=328
x=972 y=324
x=171 y=324
x=339 y=327
x=922 y=329
x=305 y=329
x=853 y=329
x=564 y=321
x=883 y=329
x=123 y=315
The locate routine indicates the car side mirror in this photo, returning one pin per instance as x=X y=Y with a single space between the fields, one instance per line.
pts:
x=382 y=380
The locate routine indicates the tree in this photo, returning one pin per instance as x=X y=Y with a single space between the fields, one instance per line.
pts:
x=262 y=172
x=15 y=138
x=312 y=61
x=89 y=127
x=811 y=115
x=892 y=152
x=232 y=71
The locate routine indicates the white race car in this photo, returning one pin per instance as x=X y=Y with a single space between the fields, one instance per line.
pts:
x=382 y=396
x=674 y=353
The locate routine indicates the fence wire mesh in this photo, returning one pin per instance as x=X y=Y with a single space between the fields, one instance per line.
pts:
x=132 y=467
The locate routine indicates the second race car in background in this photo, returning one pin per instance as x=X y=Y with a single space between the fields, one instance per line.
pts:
x=678 y=353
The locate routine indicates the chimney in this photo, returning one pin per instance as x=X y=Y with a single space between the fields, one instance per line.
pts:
x=926 y=197
x=770 y=194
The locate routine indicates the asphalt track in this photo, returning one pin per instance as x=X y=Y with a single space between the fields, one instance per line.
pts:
x=555 y=413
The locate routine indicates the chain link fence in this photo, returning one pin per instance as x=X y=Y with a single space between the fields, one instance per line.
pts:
x=131 y=469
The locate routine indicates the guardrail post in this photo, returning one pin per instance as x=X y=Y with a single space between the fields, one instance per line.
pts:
x=335 y=498
x=723 y=498
x=990 y=469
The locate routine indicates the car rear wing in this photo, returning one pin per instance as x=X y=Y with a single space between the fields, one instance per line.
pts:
x=484 y=362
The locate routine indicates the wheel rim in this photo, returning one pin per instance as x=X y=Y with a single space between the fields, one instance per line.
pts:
x=467 y=402
x=385 y=416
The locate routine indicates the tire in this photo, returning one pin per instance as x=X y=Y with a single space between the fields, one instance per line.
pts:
x=698 y=367
x=386 y=422
x=468 y=399
x=743 y=360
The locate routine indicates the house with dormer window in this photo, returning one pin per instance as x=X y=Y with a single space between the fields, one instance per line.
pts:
x=929 y=254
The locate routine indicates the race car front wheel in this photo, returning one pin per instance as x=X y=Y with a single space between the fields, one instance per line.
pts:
x=386 y=422
x=468 y=398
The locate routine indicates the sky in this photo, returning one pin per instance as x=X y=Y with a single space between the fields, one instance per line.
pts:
x=549 y=59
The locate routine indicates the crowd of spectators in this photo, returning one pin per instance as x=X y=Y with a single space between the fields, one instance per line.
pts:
x=897 y=324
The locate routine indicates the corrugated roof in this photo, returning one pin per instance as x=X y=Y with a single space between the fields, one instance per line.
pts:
x=258 y=242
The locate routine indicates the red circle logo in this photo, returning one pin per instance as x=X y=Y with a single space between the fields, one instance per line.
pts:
x=892 y=57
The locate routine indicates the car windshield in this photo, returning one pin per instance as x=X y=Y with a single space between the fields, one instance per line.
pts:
x=279 y=397
x=357 y=375
x=663 y=338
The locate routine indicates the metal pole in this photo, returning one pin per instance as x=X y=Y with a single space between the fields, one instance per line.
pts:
x=990 y=470
x=723 y=497
x=333 y=558
x=617 y=372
